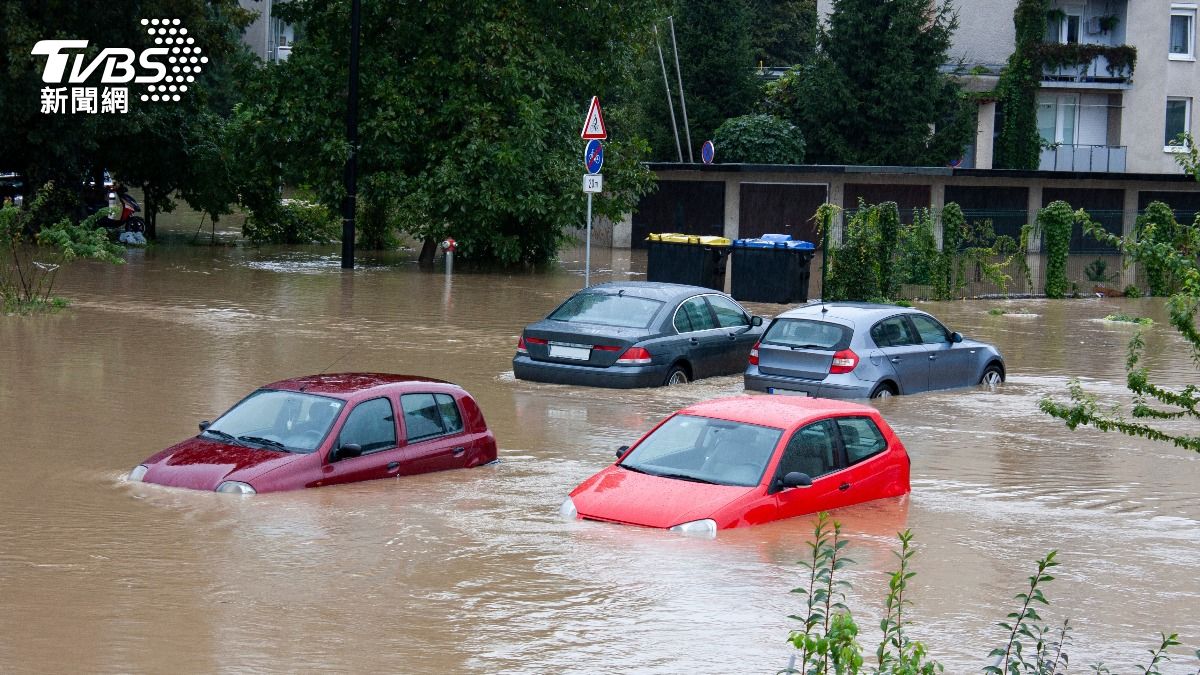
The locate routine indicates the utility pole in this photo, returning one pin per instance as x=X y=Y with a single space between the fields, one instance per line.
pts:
x=682 y=104
x=350 y=204
x=667 y=84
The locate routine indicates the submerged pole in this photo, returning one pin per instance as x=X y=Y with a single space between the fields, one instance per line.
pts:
x=350 y=203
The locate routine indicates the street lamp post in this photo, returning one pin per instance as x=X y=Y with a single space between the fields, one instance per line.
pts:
x=351 y=174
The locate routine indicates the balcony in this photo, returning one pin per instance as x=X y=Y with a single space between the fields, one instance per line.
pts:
x=1087 y=66
x=1097 y=158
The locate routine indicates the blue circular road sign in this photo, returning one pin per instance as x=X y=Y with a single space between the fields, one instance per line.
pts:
x=707 y=152
x=593 y=156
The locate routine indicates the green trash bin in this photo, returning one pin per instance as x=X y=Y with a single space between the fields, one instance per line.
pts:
x=687 y=259
x=773 y=268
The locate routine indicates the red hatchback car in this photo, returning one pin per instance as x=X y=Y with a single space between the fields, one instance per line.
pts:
x=328 y=429
x=744 y=461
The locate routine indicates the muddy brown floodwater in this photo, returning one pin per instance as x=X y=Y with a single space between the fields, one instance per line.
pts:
x=472 y=571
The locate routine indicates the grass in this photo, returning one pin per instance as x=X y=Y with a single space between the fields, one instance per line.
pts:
x=11 y=306
x=1121 y=317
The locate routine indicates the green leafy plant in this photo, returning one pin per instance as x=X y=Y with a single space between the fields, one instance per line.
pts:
x=888 y=244
x=897 y=653
x=1121 y=58
x=1109 y=23
x=1055 y=221
x=1019 y=143
x=917 y=250
x=292 y=221
x=1097 y=271
x=826 y=638
x=759 y=139
x=854 y=266
x=1157 y=225
x=1132 y=291
x=1121 y=317
x=1022 y=624
x=33 y=253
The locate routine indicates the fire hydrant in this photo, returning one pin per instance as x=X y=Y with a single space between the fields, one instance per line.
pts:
x=449 y=246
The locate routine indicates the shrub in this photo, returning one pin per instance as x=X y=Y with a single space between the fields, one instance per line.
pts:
x=294 y=221
x=759 y=139
x=1055 y=222
x=1132 y=291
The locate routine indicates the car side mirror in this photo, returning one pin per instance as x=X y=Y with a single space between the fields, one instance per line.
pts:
x=795 y=479
x=621 y=450
x=956 y=337
x=346 y=451
x=205 y=425
x=756 y=320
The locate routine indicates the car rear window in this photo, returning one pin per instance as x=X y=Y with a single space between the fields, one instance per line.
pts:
x=808 y=334
x=608 y=309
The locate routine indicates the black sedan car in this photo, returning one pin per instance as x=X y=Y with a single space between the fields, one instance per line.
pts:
x=638 y=334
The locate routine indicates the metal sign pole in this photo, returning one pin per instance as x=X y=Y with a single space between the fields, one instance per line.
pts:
x=587 y=264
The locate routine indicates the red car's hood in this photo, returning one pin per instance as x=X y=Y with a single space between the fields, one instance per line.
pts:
x=653 y=501
x=201 y=464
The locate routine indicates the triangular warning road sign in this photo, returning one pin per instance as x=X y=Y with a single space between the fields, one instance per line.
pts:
x=593 y=126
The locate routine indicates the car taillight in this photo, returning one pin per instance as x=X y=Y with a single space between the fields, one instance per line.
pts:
x=754 y=354
x=843 y=362
x=634 y=356
x=521 y=346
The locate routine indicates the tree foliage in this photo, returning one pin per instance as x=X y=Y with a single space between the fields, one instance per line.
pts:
x=1019 y=143
x=759 y=139
x=469 y=117
x=1157 y=225
x=784 y=32
x=152 y=145
x=875 y=93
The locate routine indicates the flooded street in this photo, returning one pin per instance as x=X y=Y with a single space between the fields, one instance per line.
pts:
x=473 y=571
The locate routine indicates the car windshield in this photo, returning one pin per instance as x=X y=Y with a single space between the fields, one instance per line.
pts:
x=705 y=450
x=609 y=309
x=808 y=334
x=289 y=421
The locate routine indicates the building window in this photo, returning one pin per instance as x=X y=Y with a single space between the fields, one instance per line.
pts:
x=1179 y=115
x=1182 y=44
x=1068 y=29
x=1058 y=118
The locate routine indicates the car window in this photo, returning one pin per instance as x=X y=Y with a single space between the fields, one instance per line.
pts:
x=707 y=450
x=729 y=314
x=893 y=332
x=429 y=415
x=810 y=451
x=300 y=421
x=930 y=330
x=371 y=425
x=861 y=438
x=693 y=315
x=609 y=309
x=808 y=334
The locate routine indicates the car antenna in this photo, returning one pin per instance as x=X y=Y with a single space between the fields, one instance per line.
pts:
x=326 y=368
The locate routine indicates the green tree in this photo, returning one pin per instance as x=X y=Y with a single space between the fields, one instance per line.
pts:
x=1019 y=144
x=146 y=147
x=1158 y=226
x=758 y=139
x=783 y=32
x=469 y=117
x=875 y=93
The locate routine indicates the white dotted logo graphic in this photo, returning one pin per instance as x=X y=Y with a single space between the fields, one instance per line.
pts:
x=185 y=60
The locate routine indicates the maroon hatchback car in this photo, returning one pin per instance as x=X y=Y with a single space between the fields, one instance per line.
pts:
x=328 y=429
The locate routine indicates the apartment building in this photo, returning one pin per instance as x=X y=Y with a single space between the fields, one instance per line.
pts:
x=267 y=37
x=1096 y=111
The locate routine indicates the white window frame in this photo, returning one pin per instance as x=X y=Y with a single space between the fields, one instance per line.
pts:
x=1187 y=122
x=1064 y=25
x=1059 y=101
x=1189 y=11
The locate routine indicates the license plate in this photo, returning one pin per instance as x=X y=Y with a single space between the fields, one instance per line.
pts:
x=786 y=392
x=569 y=352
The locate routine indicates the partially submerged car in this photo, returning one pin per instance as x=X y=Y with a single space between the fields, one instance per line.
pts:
x=328 y=429
x=638 y=334
x=746 y=460
x=866 y=350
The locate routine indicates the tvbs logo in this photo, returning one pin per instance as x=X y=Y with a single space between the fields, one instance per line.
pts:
x=166 y=68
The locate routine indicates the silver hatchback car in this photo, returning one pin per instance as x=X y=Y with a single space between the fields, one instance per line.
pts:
x=864 y=350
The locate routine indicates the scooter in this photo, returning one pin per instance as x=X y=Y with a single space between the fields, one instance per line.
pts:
x=126 y=221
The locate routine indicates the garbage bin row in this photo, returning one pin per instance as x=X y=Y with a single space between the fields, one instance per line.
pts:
x=771 y=268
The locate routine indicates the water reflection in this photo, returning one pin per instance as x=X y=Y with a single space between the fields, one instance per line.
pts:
x=473 y=570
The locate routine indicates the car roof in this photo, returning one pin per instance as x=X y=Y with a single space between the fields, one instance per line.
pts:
x=779 y=411
x=347 y=385
x=847 y=311
x=653 y=290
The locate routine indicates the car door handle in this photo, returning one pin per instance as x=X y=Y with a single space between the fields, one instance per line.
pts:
x=844 y=486
x=458 y=452
x=733 y=336
x=694 y=341
x=932 y=357
x=392 y=466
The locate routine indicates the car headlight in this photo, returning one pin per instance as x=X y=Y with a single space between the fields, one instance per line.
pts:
x=567 y=510
x=697 y=528
x=138 y=472
x=235 y=487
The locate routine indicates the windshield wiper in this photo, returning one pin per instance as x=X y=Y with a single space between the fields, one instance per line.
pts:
x=794 y=347
x=230 y=438
x=634 y=469
x=264 y=441
x=687 y=477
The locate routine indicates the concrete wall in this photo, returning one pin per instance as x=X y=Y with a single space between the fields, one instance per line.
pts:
x=989 y=23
